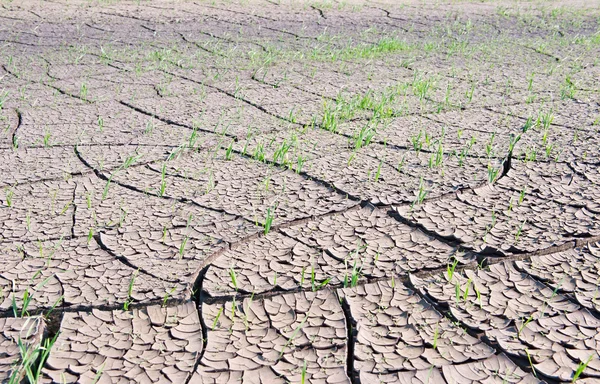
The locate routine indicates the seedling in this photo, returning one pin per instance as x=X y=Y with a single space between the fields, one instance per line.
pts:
x=329 y=121
x=567 y=90
x=129 y=299
x=530 y=82
x=182 y=246
x=469 y=93
x=130 y=160
x=530 y=362
x=580 y=368
x=527 y=321
x=450 y=269
x=435 y=336
x=378 y=173
x=166 y=297
x=522 y=195
x=233 y=277
x=416 y=142
x=228 y=152
x=300 y=163
x=46 y=139
x=269 y=219
x=364 y=137
x=421 y=194
x=9 y=197
x=466 y=292
x=356 y=271
x=546 y=119
x=489 y=147
x=217 y=318
x=259 y=152
x=83 y=91
x=520 y=230
x=478 y=294
x=33 y=358
x=456 y=292
x=98 y=374
x=294 y=334
x=513 y=142
x=3 y=98
x=303 y=374
x=401 y=163
x=163 y=182
x=493 y=173
x=105 y=192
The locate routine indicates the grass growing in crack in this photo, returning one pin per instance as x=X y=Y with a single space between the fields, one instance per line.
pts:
x=469 y=93
x=489 y=147
x=300 y=163
x=217 y=318
x=545 y=119
x=83 y=91
x=478 y=294
x=450 y=269
x=3 y=98
x=98 y=374
x=437 y=158
x=259 y=153
x=33 y=358
x=528 y=125
x=280 y=155
x=530 y=362
x=364 y=137
x=354 y=277
x=527 y=321
x=493 y=173
x=522 y=195
x=107 y=185
x=163 y=182
x=269 y=219
x=46 y=139
x=466 y=292
x=401 y=163
x=129 y=299
x=168 y=294
x=182 y=247
x=567 y=90
x=100 y=123
x=130 y=160
x=303 y=373
x=435 y=337
x=520 y=230
x=229 y=151
x=9 y=197
x=294 y=334
x=581 y=368
x=233 y=277
x=420 y=195
x=329 y=121
x=416 y=142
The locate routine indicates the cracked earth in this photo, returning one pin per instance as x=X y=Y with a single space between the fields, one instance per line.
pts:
x=324 y=192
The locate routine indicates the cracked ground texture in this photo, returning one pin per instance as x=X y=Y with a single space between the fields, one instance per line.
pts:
x=273 y=191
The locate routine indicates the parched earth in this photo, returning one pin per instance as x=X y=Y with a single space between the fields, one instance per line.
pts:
x=321 y=192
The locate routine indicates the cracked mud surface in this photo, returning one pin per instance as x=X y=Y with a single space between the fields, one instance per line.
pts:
x=320 y=192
